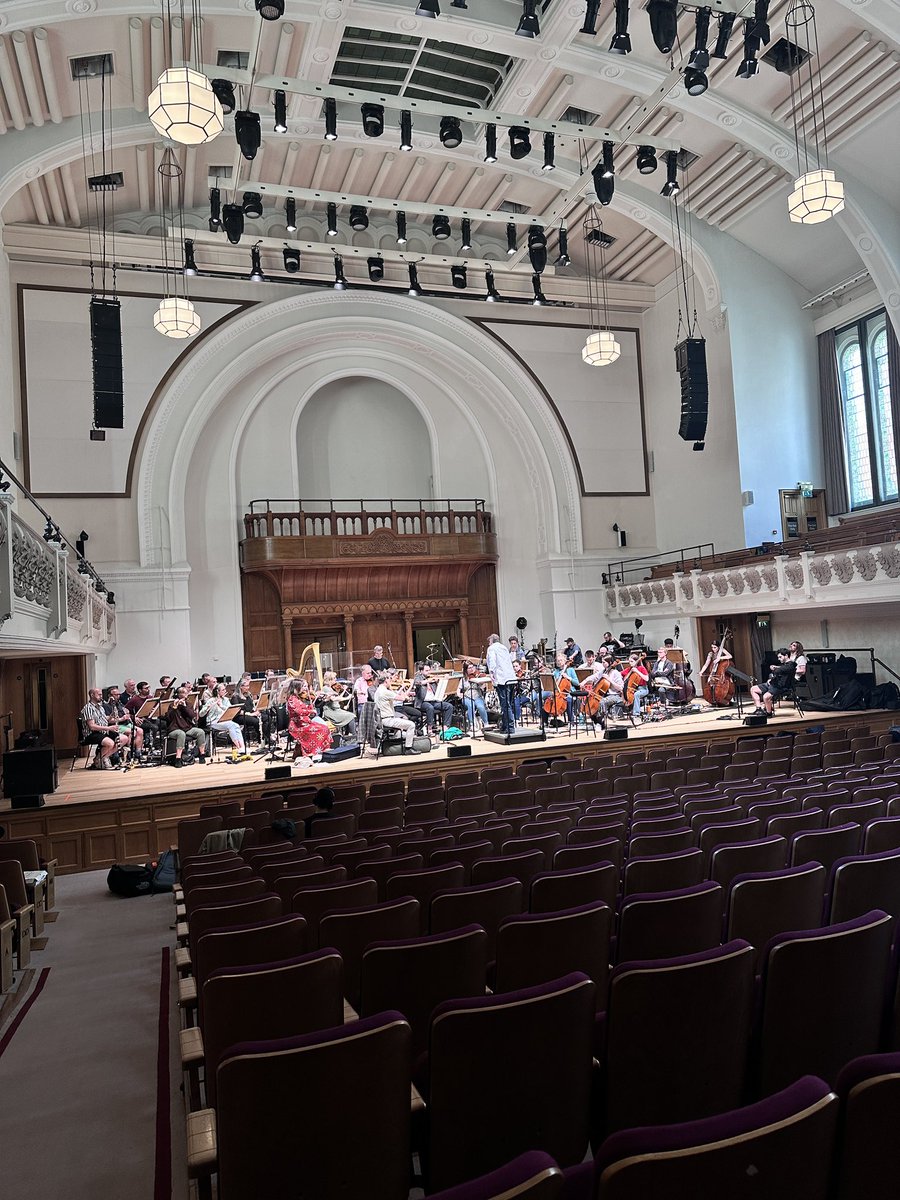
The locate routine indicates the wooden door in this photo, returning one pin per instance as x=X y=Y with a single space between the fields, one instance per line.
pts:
x=801 y=515
x=45 y=695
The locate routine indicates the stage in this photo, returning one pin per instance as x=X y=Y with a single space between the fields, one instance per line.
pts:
x=96 y=818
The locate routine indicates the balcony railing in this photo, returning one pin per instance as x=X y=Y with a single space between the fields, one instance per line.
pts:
x=362 y=518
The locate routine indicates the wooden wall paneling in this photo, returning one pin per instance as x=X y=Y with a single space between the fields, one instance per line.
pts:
x=263 y=639
x=12 y=692
x=483 y=618
x=69 y=694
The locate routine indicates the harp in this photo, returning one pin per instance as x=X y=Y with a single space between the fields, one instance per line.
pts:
x=309 y=661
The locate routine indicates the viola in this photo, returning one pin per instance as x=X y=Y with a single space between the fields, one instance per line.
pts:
x=555 y=705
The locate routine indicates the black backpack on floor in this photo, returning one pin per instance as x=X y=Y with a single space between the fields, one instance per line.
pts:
x=129 y=879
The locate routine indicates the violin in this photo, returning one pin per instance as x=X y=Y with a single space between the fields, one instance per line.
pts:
x=718 y=687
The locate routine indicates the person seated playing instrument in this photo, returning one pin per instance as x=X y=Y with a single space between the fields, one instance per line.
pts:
x=212 y=710
x=364 y=688
x=474 y=696
x=717 y=653
x=252 y=722
x=310 y=734
x=552 y=701
x=590 y=659
x=516 y=653
x=99 y=729
x=781 y=679
x=183 y=726
x=332 y=696
x=616 y=692
x=385 y=699
x=662 y=676
x=574 y=657
x=378 y=662
x=119 y=713
x=426 y=699
x=639 y=676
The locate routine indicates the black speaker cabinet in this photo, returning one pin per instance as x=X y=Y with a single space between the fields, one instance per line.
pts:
x=106 y=353
x=460 y=751
x=690 y=359
x=616 y=735
x=280 y=772
x=29 y=773
x=756 y=719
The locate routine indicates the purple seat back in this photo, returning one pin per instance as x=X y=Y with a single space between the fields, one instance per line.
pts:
x=740 y=858
x=255 y=942
x=663 y=872
x=352 y=930
x=536 y=948
x=215 y=916
x=425 y=884
x=532 y=1176
x=553 y=891
x=763 y=904
x=667 y=924
x=342 y=1099
x=312 y=903
x=485 y=905
x=516 y=1064
x=869 y=1088
x=861 y=883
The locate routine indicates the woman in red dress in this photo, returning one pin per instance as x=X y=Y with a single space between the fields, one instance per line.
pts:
x=310 y=737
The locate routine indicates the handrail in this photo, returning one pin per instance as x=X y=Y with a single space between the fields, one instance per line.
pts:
x=365 y=519
x=616 y=570
x=362 y=505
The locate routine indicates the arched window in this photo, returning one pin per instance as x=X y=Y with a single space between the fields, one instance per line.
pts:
x=868 y=425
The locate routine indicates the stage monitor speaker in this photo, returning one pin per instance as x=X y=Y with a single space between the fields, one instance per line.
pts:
x=28 y=773
x=616 y=735
x=340 y=753
x=756 y=719
x=106 y=353
x=280 y=772
x=690 y=359
x=454 y=751
x=516 y=738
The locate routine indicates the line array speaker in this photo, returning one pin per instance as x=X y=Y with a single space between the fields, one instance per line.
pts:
x=690 y=359
x=106 y=353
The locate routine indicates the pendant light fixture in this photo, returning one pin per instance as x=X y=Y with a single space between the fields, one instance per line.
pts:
x=817 y=193
x=601 y=347
x=183 y=105
x=176 y=316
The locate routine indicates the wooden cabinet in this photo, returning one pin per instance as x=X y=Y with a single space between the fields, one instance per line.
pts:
x=801 y=515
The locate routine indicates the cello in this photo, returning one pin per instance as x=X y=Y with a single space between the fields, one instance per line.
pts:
x=556 y=704
x=718 y=686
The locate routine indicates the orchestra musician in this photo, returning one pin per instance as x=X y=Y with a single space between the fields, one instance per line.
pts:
x=717 y=652
x=503 y=676
x=606 y=668
x=332 y=710
x=385 y=698
x=249 y=720
x=212 y=710
x=782 y=676
x=590 y=659
x=662 y=675
x=99 y=729
x=574 y=657
x=516 y=653
x=642 y=690
x=378 y=662
x=364 y=688
x=473 y=696
x=183 y=727
x=427 y=701
x=118 y=712
x=137 y=694
x=563 y=670
x=799 y=660
x=310 y=734
x=609 y=645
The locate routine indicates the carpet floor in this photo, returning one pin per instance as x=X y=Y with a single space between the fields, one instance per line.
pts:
x=89 y=1077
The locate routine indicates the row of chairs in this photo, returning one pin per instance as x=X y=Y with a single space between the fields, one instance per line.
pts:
x=23 y=904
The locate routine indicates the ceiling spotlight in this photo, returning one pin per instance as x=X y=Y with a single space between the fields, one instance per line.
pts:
x=340 y=279
x=451 y=133
x=414 y=289
x=590 y=18
x=671 y=187
x=609 y=168
x=372 y=119
x=233 y=222
x=330 y=119
x=270 y=10
x=290 y=214
x=376 y=268
x=190 y=264
x=549 y=152
x=492 y=294
x=280 y=112
x=663 y=23
x=621 y=39
x=510 y=237
x=695 y=81
x=490 y=143
x=519 y=142
x=537 y=248
x=529 y=26
x=291 y=260
x=332 y=219
x=749 y=65
x=604 y=185
x=252 y=205
x=700 y=55
x=428 y=8
x=215 y=210
x=223 y=90
x=247 y=132
x=726 y=24
x=401 y=228
x=563 y=260
x=256 y=271
x=458 y=275
x=359 y=218
x=406 y=130
x=458 y=4
x=646 y=160
x=466 y=230
x=539 y=297
x=440 y=227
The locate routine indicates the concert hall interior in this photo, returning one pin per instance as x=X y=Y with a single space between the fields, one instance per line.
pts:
x=367 y=330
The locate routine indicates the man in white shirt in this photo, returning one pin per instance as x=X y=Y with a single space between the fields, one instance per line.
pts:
x=390 y=718
x=503 y=675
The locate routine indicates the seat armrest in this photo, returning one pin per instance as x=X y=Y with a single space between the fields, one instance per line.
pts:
x=191 y=1043
x=350 y=1013
x=50 y=891
x=181 y=931
x=187 y=992
x=202 y=1151
x=182 y=958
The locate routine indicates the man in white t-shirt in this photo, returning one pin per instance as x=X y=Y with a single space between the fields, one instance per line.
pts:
x=390 y=718
x=503 y=675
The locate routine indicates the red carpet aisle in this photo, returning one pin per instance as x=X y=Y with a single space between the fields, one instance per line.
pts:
x=80 y=1074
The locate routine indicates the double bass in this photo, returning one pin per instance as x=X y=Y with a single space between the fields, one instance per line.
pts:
x=718 y=686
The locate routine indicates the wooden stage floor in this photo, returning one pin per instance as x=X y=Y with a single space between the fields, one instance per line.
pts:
x=96 y=818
